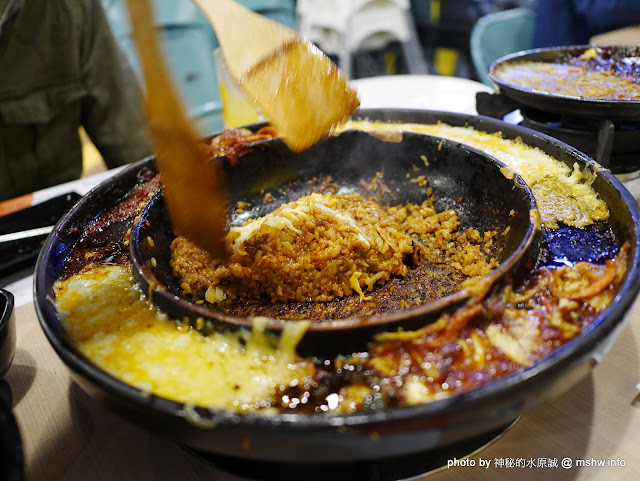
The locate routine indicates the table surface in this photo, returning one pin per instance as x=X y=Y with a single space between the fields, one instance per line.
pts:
x=68 y=435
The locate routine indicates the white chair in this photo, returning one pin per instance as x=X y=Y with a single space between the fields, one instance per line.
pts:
x=323 y=22
x=343 y=27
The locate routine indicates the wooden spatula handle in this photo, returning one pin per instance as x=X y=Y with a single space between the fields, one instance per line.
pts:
x=193 y=184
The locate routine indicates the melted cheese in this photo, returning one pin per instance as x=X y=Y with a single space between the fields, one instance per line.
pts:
x=563 y=194
x=294 y=214
x=116 y=327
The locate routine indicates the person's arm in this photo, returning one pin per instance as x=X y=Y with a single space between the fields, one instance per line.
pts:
x=556 y=24
x=606 y=15
x=112 y=112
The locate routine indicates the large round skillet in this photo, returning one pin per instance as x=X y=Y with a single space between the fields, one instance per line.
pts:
x=565 y=104
x=461 y=178
x=317 y=438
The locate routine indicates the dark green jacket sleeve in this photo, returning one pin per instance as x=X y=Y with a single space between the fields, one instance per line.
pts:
x=61 y=69
x=112 y=111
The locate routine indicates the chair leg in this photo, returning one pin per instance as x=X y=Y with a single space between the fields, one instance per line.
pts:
x=412 y=50
x=345 y=60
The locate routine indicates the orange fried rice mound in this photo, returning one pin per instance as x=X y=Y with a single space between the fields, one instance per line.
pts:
x=314 y=249
x=324 y=246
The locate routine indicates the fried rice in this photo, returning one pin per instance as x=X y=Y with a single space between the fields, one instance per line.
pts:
x=324 y=246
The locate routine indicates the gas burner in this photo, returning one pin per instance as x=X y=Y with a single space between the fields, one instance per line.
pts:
x=614 y=145
x=392 y=469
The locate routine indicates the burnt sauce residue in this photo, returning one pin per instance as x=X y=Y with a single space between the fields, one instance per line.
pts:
x=105 y=239
x=483 y=341
x=423 y=283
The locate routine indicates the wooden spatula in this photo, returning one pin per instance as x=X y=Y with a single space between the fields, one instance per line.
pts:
x=300 y=91
x=193 y=184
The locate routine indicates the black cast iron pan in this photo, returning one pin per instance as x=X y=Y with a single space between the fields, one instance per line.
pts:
x=11 y=458
x=461 y=178
x=392 y=432
x=576 y=106
x=7 y=331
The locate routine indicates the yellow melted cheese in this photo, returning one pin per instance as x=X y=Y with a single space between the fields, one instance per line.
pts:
x=291 y=216
x=563 y=194
x=121 y=332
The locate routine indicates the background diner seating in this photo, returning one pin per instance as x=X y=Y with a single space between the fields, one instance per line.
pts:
x=343 y=27
x=189 y=42
x=500 y=33
x=365 y=37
